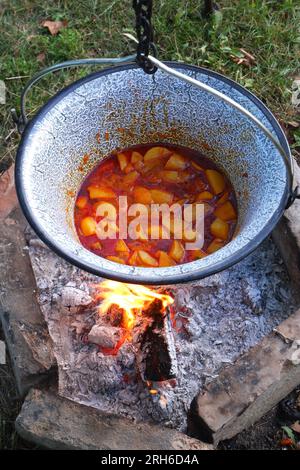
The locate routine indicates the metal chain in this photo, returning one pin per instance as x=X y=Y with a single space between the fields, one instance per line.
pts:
x=144 y=31
x=293 y=196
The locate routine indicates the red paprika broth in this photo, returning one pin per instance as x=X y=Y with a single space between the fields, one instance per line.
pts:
x=156 y=173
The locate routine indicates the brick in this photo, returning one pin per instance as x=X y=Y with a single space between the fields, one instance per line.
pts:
x=57 y=423
x=244 y=392
x=20 y=314
x=287 y=234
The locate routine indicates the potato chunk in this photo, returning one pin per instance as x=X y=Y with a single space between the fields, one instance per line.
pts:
x=131 y=177
x=216 y=181
x=123 y=160
x=121 y=246
x=165 y=260
x=142 y=195
x=215 y=245
x=134 y=259
x=204 y=196
x=88 y=226
x=96 y=246
x=170 y=176
x=128 y=168
x=189 y=234
x=219 y=229
x=146 y=259
x=156 y=152
x=81 y=202
x=136 y=157
x=177 y=251
x=160 y=196
x=101 y=192
x=175 y=162
x=116 y=259
x=176 y=226
x=226 y=211
x=197 y=254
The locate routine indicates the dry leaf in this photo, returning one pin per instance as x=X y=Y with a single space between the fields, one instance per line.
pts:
x=296 y=426
x=31 y=36
x=248 y=56
x=294 y=124
x=247 y=59
x=54 y=27
x=41 y=57
x=8 y=196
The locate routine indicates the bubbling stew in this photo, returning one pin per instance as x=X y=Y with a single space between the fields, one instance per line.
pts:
x=147 y=177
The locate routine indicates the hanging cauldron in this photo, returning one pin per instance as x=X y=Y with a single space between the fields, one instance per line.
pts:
x=122 y=106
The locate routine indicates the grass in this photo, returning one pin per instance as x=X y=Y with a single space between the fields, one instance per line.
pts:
x=267 y=29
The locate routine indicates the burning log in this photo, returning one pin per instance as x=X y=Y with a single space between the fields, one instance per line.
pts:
x=154 y=344
x=143 y=314
x=115 y=315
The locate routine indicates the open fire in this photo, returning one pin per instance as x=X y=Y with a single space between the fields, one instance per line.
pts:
x=141 y=315
x=132 y=299
x=213 y=322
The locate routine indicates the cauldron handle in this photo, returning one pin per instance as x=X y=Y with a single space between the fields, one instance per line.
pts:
x=294 y=194
x=22 y=120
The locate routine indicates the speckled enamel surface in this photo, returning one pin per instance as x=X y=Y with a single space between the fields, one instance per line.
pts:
x=128 y=107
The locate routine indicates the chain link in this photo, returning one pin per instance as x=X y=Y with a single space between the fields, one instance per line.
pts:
x=144 y=31
x=293 y=196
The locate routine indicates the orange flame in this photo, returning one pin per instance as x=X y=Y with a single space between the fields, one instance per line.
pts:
x=131 y=298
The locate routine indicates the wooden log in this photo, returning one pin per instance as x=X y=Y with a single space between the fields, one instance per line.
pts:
x=154 y=344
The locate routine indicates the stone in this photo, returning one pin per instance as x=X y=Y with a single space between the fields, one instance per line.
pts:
x=19 y=310
x=245 y=391
x=38 y=339
x=56 y=423
x=8 y=195
x=286 y=235
x=105 y=336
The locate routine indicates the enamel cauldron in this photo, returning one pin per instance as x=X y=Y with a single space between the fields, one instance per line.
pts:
x=122 y=106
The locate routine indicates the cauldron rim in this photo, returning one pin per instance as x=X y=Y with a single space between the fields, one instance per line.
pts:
x=185 y=277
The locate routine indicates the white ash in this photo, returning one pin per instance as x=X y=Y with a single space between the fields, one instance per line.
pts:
x=218 y=318
x=73 y=299
x=105 y=336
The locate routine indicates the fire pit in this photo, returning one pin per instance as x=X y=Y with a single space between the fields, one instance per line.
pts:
x=139 y=367
x=144 y=353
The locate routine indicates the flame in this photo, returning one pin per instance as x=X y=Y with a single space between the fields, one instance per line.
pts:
x=131 y=298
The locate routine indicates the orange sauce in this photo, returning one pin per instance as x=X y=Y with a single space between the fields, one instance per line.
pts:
x=154 y=174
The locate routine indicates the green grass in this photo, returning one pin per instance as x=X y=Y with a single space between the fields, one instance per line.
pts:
x=267 y=29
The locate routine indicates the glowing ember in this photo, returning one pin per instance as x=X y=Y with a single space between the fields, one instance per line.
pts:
x=131 y=298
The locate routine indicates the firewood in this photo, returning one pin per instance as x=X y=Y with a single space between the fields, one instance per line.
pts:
x=154 y=344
